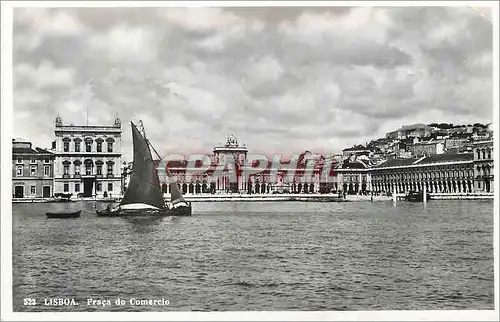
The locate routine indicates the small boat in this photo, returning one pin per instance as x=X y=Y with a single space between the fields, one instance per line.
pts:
x=62 y=197
x=144 y=196
x=64 y=214
x=417 y=196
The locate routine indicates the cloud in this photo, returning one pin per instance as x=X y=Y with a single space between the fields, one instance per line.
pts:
x=282 y=79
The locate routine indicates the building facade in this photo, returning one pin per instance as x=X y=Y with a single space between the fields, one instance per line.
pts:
x=32 y=171
x=88 y=159
x=445 y=173
x=255 y=178
x=483 y=166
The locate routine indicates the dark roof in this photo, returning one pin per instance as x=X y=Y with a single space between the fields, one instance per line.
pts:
x=23 y=151
x=352 y=165
x=447 y=157
x=396 y=163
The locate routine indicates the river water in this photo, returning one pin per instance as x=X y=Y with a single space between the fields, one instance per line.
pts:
x=268 y=256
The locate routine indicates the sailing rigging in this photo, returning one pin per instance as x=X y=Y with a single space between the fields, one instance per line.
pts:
x=144 y=194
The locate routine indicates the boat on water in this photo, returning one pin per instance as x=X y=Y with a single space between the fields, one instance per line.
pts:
x=62 y=197
x=417 y=196
x=63 y=214
x=143 y=196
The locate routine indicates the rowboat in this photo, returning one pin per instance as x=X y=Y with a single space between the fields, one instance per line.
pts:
x=64 y=214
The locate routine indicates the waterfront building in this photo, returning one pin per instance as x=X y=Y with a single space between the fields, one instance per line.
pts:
x=353 y=177
x=439 y=173
x=483 y=166
x=87 y=159
x=258 y=177
x=32 y=171
x=427 y=148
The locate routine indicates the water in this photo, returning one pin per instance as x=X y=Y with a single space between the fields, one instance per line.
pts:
x=260 y=256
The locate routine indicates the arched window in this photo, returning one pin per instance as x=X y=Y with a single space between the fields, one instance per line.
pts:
x=484 y=154
x=489 y=153
x=478 y=153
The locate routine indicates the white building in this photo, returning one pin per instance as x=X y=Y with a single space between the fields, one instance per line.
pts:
x=87 y=159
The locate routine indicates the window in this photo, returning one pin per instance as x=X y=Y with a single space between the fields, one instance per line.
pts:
x=33 y=190
x=88 y=146
x=19 y=161
x=110 y=186
x=77 y=187
x=99 y=186
x=66 y=187
x=88 y=169
x=33 y=170
x=77 y=146
x=99 y=146
x=19 y=171
x=66 y=146
x=110 y=169
x=46 y=160
x=33 y=161
x=77 y=169
x=99 y=169
x=66 y=169
x=46 y=170
x=110 y=146
x=489 y=154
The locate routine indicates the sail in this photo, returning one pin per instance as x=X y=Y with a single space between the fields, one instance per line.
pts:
x=144 y=185
x=175 y=193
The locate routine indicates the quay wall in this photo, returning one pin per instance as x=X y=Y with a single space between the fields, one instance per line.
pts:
x=282 y=197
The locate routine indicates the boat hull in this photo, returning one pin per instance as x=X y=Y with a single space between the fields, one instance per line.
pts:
x=416 y=197
x=179 y=211
x=63 y=215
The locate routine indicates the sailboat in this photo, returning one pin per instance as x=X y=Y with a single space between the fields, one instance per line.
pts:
x=144 y=195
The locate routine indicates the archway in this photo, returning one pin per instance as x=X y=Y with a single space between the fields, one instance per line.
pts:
x=306 y=188
x=212 y=187
x=487 y=185
x=204 y=187
x=191 y=188
x=184 y=188
x=345 y=187
x=294 y=188
x=299 y=188
x=311 y=188
x=198 y=188
x=164 y=188
x=257 y=187
x=249 y=187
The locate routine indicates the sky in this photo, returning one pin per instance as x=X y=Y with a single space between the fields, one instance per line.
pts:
x=282 y=80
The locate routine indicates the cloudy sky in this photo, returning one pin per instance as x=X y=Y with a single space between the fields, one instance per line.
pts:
x=280 y=79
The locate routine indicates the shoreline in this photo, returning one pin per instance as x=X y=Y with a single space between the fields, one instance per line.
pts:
x=277 y=197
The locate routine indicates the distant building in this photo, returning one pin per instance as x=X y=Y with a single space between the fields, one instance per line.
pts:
x=355 y=151
x=289 y=176
x=32 y=171
x=87 y=159
x=483 y=166
x=406 y=131
x=427 y=148
x=456 y=142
